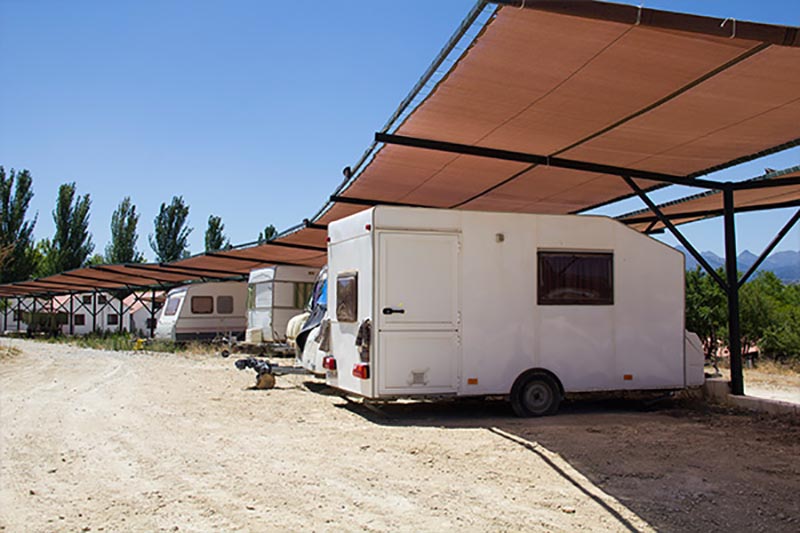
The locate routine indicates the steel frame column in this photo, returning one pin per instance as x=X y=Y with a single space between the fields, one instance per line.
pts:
x=771 y=246
x=71 y=313
x=5 y=314
x=94 y=311
x=732 y=291
x=152 y=313
x=678 y=235
x=19 y=312
x=121 y=314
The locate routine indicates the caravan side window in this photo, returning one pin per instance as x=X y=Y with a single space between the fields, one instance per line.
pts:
x=202 y=305
x=347 y=297
x=577 y=278
x=225 y=305
x=172 y=305
x=79 y=319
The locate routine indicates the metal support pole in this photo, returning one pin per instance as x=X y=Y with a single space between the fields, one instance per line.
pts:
x=678 y=235
x=121 y=313
x=19 y=312
x=152 y=312
x=72 y=313
x=5 y=314
x=94 y=311
x=771 y=246
x=732 y=291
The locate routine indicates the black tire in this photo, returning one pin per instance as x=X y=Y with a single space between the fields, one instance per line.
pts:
x=225 y=354
x=535 y=394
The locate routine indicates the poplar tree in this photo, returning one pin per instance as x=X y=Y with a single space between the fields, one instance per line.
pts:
x=122 y=248
x=170 y=239
x=72 y=243
x=215 y=238
x=16 y=233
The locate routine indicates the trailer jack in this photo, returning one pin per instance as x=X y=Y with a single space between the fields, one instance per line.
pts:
x=266 y=371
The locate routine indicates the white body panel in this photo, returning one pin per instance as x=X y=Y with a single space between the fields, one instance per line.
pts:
x=276 y=294
x=479 y=325
x=187 y=325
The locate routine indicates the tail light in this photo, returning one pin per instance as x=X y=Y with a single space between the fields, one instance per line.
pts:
x=361 y=370
x=329 y=363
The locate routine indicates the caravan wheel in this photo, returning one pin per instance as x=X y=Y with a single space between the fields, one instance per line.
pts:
x=535 y=394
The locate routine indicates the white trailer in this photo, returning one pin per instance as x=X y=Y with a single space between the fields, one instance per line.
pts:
x=433 y=303
x=275 y=295
x=204 y=311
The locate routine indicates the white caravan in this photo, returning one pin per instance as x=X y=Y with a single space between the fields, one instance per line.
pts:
x=275 y=295
x=432 y=303
x=204 y=311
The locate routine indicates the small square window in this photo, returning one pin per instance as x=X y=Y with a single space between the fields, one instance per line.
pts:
x=86 y=299
x=347 y=297
x=202 y=305
x=102 y=299
x=575 y=278
x=79 y=319
x=225 y=305
x=112 y=319
x=151 y=323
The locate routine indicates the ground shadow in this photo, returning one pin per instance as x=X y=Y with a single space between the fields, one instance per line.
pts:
x=680 y=465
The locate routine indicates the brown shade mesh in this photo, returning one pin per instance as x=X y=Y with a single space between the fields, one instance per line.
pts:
x=689 y=209
x=678 y=99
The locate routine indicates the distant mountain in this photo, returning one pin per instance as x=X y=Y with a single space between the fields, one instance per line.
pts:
x=785 y=265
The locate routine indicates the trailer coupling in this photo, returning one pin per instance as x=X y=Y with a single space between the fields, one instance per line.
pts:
x=266 y=371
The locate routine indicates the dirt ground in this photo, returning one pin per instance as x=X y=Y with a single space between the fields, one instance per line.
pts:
x=109 y=441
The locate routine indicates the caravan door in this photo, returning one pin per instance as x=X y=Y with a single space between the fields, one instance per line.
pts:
x=418 y=315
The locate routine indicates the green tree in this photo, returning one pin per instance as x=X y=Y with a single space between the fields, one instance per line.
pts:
x=96 y=259
x=122 y=248
x=72 y=244
x=170 y=241
x=215 y=238
x=781 y=336
x=268 y=234
x=706 y=309
x=16 y=233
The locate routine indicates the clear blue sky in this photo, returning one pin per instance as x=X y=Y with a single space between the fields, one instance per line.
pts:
x=249 y=109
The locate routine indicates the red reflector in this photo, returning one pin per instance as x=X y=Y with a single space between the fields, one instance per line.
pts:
x=327 y=239
x=361 y=371
x=368 y=227
x=329 y=363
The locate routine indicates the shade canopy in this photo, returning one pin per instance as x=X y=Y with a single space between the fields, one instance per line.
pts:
x=710 y=204
x=600 y=84
x=542 y=110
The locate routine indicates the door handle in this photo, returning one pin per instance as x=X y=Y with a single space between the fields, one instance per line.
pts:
x=390 y=311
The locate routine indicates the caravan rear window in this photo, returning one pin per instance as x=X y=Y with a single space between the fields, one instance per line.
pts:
x=172 y=305
x=202 y=305
x=225 y=305
x=580 y=278
x=347 y=297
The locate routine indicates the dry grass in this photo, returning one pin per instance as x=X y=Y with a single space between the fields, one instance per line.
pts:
x=8 y=352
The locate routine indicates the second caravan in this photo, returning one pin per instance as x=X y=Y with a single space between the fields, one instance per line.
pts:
x=204 y=311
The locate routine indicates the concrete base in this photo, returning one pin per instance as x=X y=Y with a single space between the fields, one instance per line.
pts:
x=718 y=390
